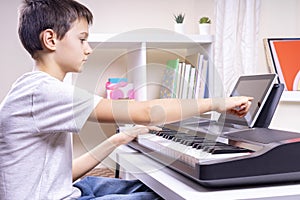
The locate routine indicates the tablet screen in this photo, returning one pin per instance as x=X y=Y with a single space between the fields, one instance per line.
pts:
x=256 y=86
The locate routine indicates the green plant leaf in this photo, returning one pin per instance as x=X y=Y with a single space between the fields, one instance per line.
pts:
x=204 y=20
x=179 y=18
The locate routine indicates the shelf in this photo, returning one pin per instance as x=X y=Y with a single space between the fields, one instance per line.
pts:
x=153 y=38
x=134 y=49
x=290 y=96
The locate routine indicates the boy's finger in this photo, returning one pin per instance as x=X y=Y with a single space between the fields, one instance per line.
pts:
x=154 y=128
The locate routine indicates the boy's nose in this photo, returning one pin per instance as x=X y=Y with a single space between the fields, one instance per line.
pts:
x=88 y=49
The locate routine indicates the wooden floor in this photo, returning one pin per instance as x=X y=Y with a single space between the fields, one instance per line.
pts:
x=104 y=172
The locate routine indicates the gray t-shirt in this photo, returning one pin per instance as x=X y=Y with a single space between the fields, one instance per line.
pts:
x=36 y=118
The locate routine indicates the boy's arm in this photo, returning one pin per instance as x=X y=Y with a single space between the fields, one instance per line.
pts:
x=149 y=112
x=91 y=159
x=161 y=111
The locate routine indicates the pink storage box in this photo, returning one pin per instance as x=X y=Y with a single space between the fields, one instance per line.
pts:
x=119 y=88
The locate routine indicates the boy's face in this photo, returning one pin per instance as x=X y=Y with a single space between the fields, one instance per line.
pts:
x=73 y=50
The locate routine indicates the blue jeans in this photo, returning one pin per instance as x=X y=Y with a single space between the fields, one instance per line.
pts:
x=102 y=188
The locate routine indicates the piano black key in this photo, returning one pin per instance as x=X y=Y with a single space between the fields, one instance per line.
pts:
x=227 y=149
x=209 y=146
x=223 y=150
x=206 y=143
x=203 y=145
x=164 y=130
x=179 y=137
x=190 y=142
x=163 y=133
x=170 y=137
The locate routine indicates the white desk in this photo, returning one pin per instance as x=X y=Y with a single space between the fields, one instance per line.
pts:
x=173 y=186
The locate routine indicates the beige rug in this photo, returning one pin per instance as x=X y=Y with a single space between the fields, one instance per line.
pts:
x=104 y=172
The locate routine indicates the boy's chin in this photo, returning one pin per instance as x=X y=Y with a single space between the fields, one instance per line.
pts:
x=79 y=70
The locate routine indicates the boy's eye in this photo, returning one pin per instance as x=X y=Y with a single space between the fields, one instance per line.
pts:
x=83 y=39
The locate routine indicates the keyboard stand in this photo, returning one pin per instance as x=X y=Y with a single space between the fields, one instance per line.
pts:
x=172 y=185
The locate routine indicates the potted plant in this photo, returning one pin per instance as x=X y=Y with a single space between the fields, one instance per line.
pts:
x=204 y=25
x=179 y=26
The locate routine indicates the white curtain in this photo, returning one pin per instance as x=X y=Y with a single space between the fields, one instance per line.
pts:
x=236 y=39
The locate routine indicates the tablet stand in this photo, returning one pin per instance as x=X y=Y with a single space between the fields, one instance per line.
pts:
x=266 y=115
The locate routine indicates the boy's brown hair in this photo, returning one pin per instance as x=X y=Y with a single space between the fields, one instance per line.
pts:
x=35 y=16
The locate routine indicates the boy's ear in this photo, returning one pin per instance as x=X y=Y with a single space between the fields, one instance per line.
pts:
x=48 y=39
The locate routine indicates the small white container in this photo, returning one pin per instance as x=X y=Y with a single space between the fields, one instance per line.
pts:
x=204 y=29
x=179 y=28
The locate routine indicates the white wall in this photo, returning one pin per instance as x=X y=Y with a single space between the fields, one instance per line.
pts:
x=280 y=19
x=116 y=16
x=14 y=60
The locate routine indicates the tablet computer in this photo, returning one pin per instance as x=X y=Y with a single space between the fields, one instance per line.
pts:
x=256 y=86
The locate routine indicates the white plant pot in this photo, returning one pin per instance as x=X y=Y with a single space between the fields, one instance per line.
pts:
x=204 y=29
x=179 y=28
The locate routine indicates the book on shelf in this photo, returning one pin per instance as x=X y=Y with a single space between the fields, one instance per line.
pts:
x=199 y=81
x=169 y=81
x=191 y=82
x=204 y=90
x=186 y=79
x=200 y=63
x=179 y=79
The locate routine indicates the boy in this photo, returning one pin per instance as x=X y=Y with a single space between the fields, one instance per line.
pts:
x=40 y=112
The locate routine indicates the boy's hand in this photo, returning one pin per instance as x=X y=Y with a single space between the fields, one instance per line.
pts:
x=238 y=105
x=131 y=133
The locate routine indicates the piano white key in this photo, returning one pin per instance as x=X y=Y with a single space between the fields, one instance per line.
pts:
x=178 y=151
x=222 y=156
x=168 y=147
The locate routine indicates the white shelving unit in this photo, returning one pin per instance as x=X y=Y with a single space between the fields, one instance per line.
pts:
x=144 y=53
x=290 y=96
